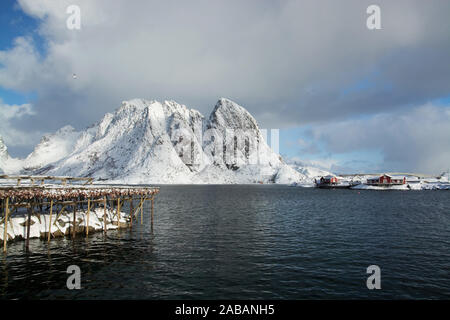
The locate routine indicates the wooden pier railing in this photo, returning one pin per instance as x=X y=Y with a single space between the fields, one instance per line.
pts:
x=34 y=179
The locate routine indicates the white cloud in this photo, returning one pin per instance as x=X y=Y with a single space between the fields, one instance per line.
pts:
x=263 y=54
x=328 y=164
x=12 y=135
x=416 y=140
x=20 y=65
x=288 y=62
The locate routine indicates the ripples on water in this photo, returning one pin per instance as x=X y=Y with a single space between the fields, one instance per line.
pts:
x=251 y=242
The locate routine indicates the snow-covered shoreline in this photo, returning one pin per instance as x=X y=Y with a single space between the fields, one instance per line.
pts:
x=411 y=183
x=406 y=187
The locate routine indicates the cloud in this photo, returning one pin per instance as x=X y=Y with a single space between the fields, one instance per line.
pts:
x=20 y=66
x=277 y=58
x=9 y=115
x=308 y=147
x=417 y=140
x=290 y=63
x=321 y=163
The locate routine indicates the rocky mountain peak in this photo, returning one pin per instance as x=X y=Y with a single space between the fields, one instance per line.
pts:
x=3 y=150
x=230 y=115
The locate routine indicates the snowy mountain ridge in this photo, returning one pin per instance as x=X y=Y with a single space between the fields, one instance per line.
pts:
x=4 y=155
x=7 y=163
x=146 y=141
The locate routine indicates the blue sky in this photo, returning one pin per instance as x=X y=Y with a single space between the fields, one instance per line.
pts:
x=15 y=23
x=343 y=97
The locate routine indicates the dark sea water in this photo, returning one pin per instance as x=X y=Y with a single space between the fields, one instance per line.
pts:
x=251 y=242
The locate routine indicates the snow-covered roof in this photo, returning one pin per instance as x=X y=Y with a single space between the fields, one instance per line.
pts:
x=386 y=175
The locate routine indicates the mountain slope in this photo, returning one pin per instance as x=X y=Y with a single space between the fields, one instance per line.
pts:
x=52 y=148
x=4 y=155
x=309 y=171
x=8 y=165
x=164 y=142
x=234 y=142
x=131 y=145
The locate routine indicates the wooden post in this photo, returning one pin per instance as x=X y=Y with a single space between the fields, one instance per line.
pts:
x=5 y=227
x=118 y=212
x=87 y=218
x=104 y=215
x=142 y=210
x=74 y=219
x=40 y=209
x=60 y=212
x=27 y=243
x=152 y=209
x=50 y=222
x=131 y=212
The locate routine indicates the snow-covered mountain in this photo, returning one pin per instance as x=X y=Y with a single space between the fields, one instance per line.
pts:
x=7 y=163
x=4 y=155
x=163 y=142
x=234 y=144
x=132 y=145
x=308 y=170
x=51 y=148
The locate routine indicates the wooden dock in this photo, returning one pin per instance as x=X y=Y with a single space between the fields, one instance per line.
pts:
x=36 y=197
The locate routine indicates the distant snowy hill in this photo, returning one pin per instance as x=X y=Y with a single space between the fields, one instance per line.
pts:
x=7 y=163
x=308 y=170
x=51 y=148
x=161 y=142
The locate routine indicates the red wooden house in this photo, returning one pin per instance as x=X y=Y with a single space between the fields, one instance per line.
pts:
x=386 y=180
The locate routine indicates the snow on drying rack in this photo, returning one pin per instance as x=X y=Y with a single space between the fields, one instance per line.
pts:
x=42 y=210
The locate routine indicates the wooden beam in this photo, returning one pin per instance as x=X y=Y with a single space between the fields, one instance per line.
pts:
x=50 y=222
x=74 y=219
x=87 y=218
x=152 y=212
x=142 y=210
x=137 y=209
x=27 y=242
x=118 y=211
x=104 y=215
x=131 y=212
x=60 y=212
x=5 y=227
